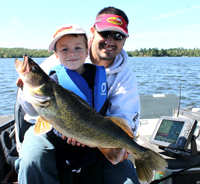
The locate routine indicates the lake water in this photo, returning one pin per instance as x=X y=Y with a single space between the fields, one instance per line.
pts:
x=155 y=75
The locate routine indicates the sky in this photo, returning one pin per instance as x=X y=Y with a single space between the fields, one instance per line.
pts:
x=152 y=23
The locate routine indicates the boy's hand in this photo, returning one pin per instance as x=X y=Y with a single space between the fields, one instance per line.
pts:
x=72 y=141
x=126 y=154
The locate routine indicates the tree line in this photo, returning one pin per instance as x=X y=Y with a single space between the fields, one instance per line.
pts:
x=172 y=52
x=19 y=52
x=151 y=52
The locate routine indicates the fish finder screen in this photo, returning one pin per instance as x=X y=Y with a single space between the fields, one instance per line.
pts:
x=169 y=131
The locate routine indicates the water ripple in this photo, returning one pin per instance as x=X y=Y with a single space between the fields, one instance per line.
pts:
x=164 y=75
x=8 y=90
x=154 y=76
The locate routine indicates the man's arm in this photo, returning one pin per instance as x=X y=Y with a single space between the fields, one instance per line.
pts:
x=123 y=98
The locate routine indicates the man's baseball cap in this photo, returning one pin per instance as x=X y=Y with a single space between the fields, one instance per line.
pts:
x=111 y=22
x=64 y=30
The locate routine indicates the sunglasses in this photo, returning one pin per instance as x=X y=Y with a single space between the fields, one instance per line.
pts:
x=116 y=36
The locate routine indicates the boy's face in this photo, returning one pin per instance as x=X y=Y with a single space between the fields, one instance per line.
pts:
x=72 y=52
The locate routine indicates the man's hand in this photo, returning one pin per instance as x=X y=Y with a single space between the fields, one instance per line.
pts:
x=126 y=154
x=72 y=141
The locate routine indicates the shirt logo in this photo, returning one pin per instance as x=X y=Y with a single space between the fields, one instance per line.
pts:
x=103 y=88
x=115 y=20
x=135 y=117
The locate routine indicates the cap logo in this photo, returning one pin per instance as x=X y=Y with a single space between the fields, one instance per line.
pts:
x=107 y=22
x=62 y=29
x=115 y=20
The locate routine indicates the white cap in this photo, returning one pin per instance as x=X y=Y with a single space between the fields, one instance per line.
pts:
x=64 y=30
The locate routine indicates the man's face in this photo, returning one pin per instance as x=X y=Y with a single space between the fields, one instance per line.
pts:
x=106 y=48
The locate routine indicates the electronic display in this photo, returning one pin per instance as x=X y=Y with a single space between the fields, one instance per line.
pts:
x=173 y=132
x=169 y=131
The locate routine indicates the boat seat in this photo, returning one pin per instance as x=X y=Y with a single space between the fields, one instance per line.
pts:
x=154 y=106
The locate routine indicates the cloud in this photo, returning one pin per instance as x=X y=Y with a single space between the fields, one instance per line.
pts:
x=176 y=13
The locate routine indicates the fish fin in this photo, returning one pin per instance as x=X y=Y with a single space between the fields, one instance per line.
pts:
x=147 y=162
x=114 y=155
x=123 y=124
x=131 y=158
x=41 y=126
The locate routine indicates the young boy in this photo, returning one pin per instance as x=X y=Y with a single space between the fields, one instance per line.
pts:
x=54 y=159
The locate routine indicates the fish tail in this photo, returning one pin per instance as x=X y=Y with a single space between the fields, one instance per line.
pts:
x=147 y=162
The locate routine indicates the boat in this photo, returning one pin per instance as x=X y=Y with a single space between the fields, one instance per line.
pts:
x=183 y=161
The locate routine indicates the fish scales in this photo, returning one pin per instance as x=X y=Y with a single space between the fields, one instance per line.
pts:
x=77 y=116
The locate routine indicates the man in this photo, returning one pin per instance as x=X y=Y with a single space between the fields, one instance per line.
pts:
x=109 y=34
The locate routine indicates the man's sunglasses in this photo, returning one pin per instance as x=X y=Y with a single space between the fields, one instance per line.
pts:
x=116 y=36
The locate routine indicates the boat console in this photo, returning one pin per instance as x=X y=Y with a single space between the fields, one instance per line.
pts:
x=176 y=141
x=173 y=133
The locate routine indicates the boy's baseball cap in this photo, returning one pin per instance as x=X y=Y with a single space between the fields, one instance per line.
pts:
x=64 y=30
x=111 y=22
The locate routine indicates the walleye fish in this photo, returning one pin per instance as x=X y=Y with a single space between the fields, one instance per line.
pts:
x=73 y=117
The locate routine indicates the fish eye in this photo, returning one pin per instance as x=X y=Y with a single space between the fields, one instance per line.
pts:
x=32 y=62
x=35 y=68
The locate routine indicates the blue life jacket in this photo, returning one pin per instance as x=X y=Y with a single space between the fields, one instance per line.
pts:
x=73 y=81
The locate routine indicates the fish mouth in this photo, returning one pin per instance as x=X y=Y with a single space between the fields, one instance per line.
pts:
x=22 y=67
